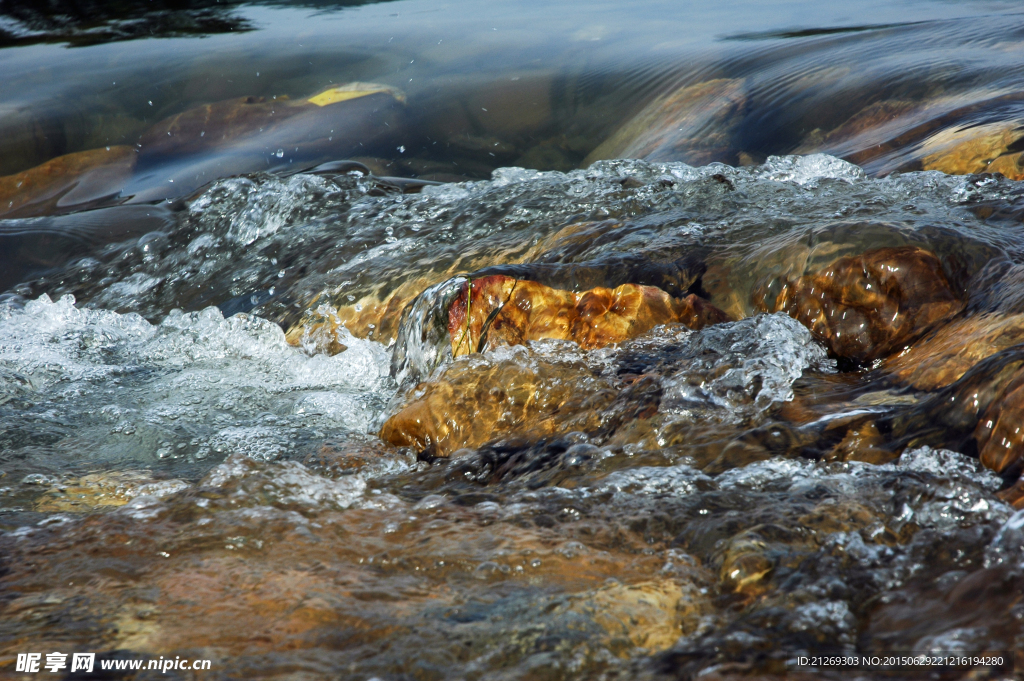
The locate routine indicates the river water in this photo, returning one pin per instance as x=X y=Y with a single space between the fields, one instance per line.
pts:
x=420 y=340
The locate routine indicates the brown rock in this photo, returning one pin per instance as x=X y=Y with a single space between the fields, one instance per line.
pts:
x=73 y=180
x=873 y=133
x=868 y=306
x=983 y=409
x=1013 y=495
x=998 y=434
x=234 y=129
x=693 y=124
x=377 y=314
x=976 y=149
x=104 y=491
x=276 y=121
x=861 y=444
x=475 y=400
x=942 y=357
x=501 y=310
x=650 y=615
x=871 y=119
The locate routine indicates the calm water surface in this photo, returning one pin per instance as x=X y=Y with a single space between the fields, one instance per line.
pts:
x=422 y=340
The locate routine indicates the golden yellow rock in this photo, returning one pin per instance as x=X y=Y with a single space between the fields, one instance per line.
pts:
x=369 y=317
x=343 y=93
x=475 y=400
x=104 y=490
x=501 y=310
x=651 y=615
x=976 y=149
x=377 y=315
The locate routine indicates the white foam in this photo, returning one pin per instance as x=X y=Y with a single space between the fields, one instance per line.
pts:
x=193 y=385
x=808 y=170
x=761 y=357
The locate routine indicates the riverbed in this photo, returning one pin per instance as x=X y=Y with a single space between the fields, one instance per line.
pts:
x=419 y=340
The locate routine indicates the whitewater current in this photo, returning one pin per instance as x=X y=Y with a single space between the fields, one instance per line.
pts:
x=162 y=363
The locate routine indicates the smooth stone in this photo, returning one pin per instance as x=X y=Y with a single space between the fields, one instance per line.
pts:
x=66 y=182
x=694 y=124
x=501 y=310
x=868 y=306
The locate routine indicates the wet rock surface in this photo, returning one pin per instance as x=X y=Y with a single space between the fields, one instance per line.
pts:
x=866 y=307
x=197 y=146
x=694 y=124
x=75 y=180
x=500 y=310
x=640 y=421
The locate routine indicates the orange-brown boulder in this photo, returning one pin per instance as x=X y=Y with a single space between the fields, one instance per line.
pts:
x=943 y=356
x=476 y=399
x=72 y=180
x=868 y=306
x=998 y=434
x=501 y=310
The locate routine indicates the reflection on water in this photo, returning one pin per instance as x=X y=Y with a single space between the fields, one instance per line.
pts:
x=540 y=87
x=278 y=388
x=94 y=23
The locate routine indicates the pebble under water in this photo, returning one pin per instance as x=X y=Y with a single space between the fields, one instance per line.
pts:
x=635 y=421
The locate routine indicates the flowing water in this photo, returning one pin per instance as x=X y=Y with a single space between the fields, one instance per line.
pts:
x=421 y=340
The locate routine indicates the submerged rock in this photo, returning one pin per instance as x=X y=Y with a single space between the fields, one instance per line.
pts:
x=944 y=355
x=276 y=122
x=993 y=148
x=478 y=398
x=657 y=390
x=980 y=414
x=70 y=181
x=650 y=615
x=869 y=306
x=104 y=490
x=205 y=143
x=694 y=124
x=501 y=310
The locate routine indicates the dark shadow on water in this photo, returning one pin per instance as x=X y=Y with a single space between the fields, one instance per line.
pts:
x=94 y=22
x=814 y=32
